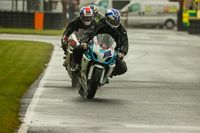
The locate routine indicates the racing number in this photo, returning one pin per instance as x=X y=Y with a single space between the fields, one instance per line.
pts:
x=72 y=43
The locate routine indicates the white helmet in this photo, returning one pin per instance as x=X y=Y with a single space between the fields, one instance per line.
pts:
x=112 y=17
x=86 y=15
x=94 y=9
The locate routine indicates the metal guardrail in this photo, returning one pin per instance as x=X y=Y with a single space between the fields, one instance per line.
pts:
x=16 y=19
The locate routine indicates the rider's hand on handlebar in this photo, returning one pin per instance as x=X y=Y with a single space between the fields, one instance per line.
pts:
x=84 y=45
x=121 y=56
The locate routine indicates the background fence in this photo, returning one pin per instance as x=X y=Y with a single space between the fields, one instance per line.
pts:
x=194 y=27
x=16 y=19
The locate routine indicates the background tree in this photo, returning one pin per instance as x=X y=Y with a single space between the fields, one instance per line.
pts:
x=64 y=10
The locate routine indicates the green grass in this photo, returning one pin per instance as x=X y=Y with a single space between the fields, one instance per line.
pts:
x=31 y=31
x=21 y=62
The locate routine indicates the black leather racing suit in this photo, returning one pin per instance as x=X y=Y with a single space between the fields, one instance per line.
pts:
x=75 y=25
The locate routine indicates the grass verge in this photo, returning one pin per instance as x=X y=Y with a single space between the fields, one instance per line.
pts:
x=31 y=31
x=21 y=64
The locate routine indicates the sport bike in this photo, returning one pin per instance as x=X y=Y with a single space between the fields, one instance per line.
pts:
x=73 y=41
x=97 y=65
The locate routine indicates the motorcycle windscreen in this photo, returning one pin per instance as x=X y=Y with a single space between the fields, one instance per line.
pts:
x=105 y=41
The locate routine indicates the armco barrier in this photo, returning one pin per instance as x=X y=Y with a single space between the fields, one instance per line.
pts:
x=30 y=20
x=52 y=21
x=194 y=27
x=11 y=19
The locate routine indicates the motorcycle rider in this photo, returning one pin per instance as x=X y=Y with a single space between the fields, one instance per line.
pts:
x=83 y=21
x=97 y=15
x=109 y=25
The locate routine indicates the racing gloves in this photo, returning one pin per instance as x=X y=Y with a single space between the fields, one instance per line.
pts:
x=84 y=45
x=121 y=56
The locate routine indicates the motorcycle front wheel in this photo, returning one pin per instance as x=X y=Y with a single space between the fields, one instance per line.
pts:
x=81 y=90
x=74 y=80
x=94 y=83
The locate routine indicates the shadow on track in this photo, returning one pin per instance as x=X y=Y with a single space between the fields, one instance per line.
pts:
x=100 y=101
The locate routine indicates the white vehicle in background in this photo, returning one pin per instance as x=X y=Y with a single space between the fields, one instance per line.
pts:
x=150 y=13
x=102 y=5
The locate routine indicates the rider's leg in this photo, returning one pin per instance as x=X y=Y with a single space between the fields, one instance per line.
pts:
x=120 y=68
x=78 y=54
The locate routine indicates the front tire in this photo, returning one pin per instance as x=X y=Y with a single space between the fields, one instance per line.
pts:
x=94 y=83
x=75 y=80
x=74 y=76
x=169 y=24
x=81 y=90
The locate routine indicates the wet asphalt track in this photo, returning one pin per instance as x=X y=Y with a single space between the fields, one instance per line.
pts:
x=160 y=93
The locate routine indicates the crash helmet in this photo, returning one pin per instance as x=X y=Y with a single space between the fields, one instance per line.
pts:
x=86 y=15
x=112 y=17
x=94 y=9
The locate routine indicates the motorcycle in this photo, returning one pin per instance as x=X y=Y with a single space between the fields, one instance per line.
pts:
x=97 y=65
x=73 y=41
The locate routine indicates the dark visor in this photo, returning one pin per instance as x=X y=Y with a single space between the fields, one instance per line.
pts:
x=87 y=18
x=114 y=22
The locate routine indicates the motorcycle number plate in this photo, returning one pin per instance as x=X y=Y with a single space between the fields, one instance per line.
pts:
x=107 y=54
x=72 y=43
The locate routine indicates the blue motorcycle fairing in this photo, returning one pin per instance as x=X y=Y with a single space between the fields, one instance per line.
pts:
x=90 y=55
x=102 y=51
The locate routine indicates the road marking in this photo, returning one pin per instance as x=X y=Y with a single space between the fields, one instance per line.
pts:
x=193 y=128
x=30 y=110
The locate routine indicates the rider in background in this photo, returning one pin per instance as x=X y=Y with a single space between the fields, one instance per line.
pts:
x=97 y=15
x=108 y=25
x=83 y=21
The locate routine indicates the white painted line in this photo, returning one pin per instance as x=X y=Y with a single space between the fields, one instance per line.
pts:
x=191 y=128
x=30 y=110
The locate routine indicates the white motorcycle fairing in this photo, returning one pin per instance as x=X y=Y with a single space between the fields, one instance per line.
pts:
x=97 y=64
x=73 y=41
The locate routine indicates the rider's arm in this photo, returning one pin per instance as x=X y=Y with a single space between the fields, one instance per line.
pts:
x=73 y=26
x=87 y=36
x=124 y=41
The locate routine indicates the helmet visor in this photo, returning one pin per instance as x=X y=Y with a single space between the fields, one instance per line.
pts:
x=87 y=18
x=114 y=22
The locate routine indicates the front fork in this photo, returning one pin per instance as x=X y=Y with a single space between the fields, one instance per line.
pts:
x=85 y=78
